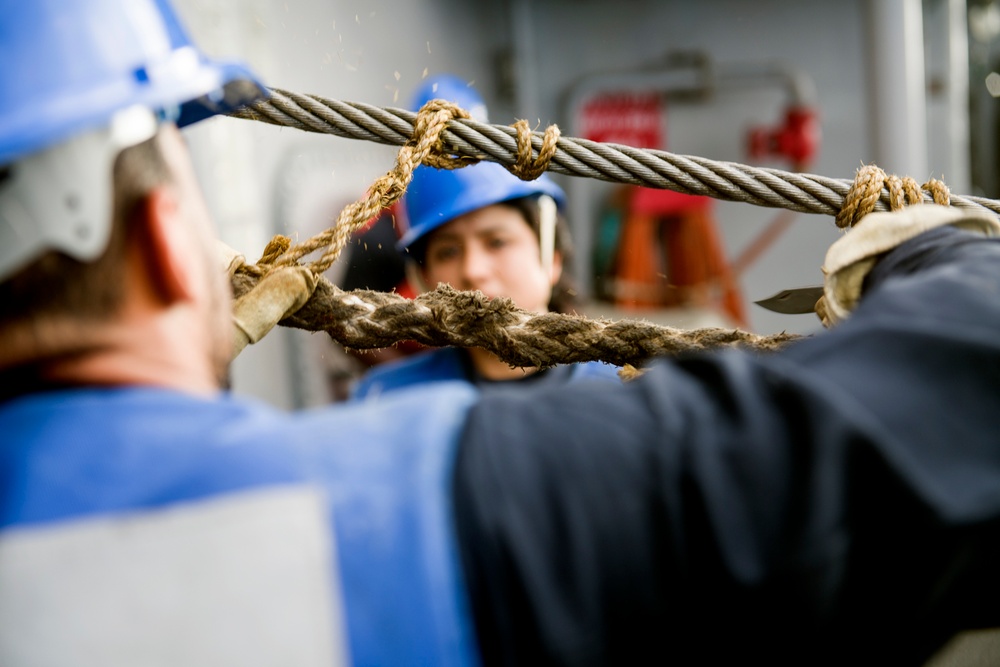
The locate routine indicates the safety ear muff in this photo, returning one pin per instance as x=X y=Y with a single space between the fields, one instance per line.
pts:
x=547 y=212
x=61 y=198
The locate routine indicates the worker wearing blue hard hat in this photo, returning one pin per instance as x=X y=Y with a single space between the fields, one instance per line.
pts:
x=146 y=517
x=482 y=228
x=831 y=502
x=105 y=99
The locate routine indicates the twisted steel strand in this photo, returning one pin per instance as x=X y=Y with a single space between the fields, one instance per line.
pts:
x=774 y=188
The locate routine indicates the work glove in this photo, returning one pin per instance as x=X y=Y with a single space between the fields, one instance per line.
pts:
x=851 y=257
x=278 y=294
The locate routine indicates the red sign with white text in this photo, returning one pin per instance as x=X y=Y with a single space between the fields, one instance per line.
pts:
x=633 y=119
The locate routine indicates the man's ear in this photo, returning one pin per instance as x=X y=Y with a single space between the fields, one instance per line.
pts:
x=167 y=249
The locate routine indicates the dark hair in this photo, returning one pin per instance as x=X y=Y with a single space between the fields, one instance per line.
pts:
x=56 y=284
x=565 y=296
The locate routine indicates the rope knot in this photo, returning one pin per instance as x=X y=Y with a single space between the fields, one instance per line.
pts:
x=866 y=191
x=423 y=146
x=275 y=248
x=527 y=168
x=431 y=121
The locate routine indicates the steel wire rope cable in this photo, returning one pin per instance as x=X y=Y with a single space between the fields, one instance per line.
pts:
x=730 y=181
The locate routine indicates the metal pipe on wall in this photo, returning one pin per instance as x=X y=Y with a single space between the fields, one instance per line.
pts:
x=959 y=158
x=896 y=85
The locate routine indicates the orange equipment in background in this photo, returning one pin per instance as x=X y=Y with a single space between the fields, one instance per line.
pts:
x=662 y=249
x=659 y=250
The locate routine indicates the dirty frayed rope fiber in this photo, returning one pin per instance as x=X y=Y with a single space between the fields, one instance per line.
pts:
x=364 y=319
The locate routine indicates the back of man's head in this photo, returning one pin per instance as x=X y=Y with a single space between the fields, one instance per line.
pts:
x=60 y=286
x=67 y=188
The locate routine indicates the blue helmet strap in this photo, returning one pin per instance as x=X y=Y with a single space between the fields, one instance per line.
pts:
x=61 y=198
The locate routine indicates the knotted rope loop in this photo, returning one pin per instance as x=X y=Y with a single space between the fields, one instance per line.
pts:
x=527 y=168
x=424 y=146
x=866 y=191
x=861 y=198
x=274 y=249
x=939 y=191
x=431 y=120
x=901 y=191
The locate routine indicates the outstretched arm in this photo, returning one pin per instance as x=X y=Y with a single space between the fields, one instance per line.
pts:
x=840 y=499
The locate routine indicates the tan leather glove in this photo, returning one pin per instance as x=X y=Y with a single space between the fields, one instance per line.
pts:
x=229 y=258
x=851 y=257
x=278 y=294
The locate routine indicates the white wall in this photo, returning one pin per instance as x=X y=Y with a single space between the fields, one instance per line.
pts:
x=260 y=179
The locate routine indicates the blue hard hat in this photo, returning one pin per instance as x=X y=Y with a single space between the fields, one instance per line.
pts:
x=70 y=65
x=453 y=89
x=438 y=196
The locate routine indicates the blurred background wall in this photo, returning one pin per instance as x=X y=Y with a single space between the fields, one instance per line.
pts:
x=896 y=82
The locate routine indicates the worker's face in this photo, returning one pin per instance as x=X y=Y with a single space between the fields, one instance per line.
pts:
x=216 y=296
x=492 y=250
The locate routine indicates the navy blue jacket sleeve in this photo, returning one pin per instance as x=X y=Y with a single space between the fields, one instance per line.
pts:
x=834 y=503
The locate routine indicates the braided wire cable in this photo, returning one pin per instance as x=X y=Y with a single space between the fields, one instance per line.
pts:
x=730 y=181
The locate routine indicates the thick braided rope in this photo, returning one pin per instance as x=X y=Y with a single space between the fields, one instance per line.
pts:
x=867 y=188
x=365 y=319
x=730 y=181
